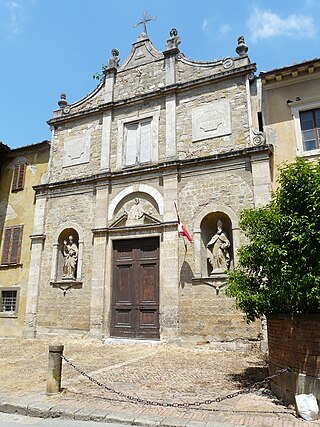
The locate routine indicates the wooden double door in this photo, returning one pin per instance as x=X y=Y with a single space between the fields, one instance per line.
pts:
x=135 y=289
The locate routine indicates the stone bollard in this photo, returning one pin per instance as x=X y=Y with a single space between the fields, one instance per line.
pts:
x=54 y=369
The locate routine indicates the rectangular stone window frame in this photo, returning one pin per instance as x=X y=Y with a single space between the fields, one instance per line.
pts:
x=9 y=302
x=298 y=107
x=138 y=121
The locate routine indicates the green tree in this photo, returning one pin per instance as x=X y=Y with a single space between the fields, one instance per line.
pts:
x=279 y=268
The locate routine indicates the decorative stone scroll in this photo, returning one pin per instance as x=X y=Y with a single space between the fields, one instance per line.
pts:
x=258 y=138
x=211 y=120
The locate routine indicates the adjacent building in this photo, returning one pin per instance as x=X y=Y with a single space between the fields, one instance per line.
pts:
x=291 y=112
x=20 y=169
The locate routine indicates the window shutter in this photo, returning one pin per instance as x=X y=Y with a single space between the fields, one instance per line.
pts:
x=22 y=174
x=6 y=246
x=15 y=177
x=145 y=142
x=131 y=144
x=16 y=244
x=19 y=176
x=12 y=245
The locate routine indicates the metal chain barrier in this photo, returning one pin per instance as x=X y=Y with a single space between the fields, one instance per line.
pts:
x=250 y=389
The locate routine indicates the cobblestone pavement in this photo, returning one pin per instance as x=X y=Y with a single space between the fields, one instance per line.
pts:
x=162 y=373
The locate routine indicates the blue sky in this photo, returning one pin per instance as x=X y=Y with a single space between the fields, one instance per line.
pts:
x=53 y=46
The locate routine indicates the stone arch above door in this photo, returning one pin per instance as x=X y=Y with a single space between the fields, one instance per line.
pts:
x=139 y=188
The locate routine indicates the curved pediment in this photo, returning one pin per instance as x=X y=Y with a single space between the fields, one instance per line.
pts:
x=142 y=52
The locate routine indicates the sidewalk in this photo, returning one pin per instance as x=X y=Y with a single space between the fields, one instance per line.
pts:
x=160 y=373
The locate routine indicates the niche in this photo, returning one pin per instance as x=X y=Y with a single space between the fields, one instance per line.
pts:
x=68 y=255
x=216 y=244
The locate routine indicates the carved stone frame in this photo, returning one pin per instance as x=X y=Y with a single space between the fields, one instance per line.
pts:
x=154 y=116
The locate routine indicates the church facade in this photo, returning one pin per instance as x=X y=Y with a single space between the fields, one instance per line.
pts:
x=160 y=132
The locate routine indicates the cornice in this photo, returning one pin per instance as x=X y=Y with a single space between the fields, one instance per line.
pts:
x=306 y=70
x=173 y=166
x=135 y=228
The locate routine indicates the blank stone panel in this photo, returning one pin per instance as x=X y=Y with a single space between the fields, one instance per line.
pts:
x=76 y=151
x=211 y=120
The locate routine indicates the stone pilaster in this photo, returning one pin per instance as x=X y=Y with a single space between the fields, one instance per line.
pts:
x=109 y=84
x=99 y=263
x=170 y=67
x=171 y=140
x=107 y=119
x=169 y=264
x=108 y=288
x=106 y=140
x=261 y=178
x=37 y=243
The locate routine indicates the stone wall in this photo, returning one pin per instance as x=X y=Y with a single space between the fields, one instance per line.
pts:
x=235 y=92
x=206 y=313
x=189 y=70
x=79 y=140
x=140 y=80
x=92 y=100
x=206 y=316
x=226 y=183
x=69 y=311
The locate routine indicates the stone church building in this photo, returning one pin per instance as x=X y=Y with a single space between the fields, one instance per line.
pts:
x=159 y=130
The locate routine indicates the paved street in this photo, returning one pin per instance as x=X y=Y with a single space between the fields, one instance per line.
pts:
x=16 y=420
x=159 y=373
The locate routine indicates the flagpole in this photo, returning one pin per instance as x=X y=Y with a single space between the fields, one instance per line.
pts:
x=176 y=208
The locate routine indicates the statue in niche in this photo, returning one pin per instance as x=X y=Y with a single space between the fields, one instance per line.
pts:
x=218 y=250
x=70 y=253
x=174 y=40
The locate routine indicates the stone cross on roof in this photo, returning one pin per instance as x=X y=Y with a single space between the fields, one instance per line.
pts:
x=144 y=21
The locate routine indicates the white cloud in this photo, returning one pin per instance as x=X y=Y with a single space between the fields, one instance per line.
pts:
x=310 y=3
x=204 y=24
x=14 y=17
x=264 y=24
x=224 y=29
x=15 y=14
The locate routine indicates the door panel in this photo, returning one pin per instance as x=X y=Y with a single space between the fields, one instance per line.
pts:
x=135 y=293
x=123 y=312
x=124 y=288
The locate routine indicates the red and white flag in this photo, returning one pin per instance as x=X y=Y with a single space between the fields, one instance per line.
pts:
x=182 y=229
